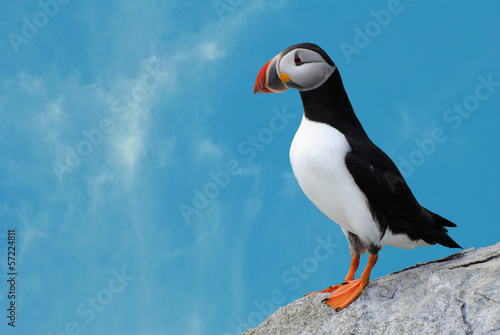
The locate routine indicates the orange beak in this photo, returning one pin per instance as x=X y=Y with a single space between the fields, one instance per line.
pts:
x=268 y=80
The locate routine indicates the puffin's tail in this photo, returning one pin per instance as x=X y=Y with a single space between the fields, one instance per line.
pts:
x=442 y=237
x=441 y=221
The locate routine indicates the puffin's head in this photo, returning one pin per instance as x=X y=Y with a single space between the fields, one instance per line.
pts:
x=302 y=66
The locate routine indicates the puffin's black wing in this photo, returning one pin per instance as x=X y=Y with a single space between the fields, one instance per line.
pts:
x=390 y=198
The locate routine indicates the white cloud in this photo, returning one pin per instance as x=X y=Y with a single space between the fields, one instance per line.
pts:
x=130 y=109
x=129 y=145
x=30 y=84
x=206 y=149
x=211 y=50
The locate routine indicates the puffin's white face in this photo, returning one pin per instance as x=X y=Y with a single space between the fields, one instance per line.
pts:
x=301 y=67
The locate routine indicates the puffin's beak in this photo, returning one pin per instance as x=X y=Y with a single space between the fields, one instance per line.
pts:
x=268 y=80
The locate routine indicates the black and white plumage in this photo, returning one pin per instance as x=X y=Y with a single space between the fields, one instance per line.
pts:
x=340 y=169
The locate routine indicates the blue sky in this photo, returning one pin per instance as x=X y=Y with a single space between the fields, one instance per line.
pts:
x=151 y=191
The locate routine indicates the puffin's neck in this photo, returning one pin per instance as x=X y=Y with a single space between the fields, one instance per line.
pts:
x=329 y=104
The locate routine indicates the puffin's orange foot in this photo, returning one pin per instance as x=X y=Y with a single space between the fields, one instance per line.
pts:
x=345 y=294
x=349 y=277
x=330 y=289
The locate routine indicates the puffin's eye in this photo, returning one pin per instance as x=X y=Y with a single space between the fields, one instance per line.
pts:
x=297 y=59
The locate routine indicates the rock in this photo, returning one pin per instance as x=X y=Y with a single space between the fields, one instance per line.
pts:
x=459 y=294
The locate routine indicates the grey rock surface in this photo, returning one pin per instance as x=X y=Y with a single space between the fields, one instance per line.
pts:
x=459 y=294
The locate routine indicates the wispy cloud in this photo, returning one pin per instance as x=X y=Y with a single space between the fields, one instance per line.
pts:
x=28 y=83
x=212 y=51
x=207 y=149
x=64 y=104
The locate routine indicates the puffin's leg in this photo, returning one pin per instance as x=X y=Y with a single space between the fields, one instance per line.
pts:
x=349 y=277
x=344 y=295
x=353 y=268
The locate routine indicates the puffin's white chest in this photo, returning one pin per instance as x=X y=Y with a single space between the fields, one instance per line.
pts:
x=317 y=156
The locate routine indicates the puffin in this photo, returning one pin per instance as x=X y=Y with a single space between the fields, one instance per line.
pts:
x=347 y=177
